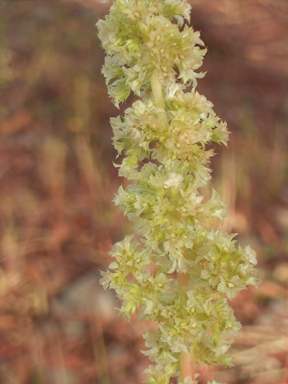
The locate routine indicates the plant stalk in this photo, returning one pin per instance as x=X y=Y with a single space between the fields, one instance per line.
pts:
x=187 y=366
x=186 y=359
x=158 y=94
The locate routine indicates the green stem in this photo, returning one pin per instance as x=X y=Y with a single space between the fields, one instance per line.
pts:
x=187 y=365
x=158 y=93
x=186 y=359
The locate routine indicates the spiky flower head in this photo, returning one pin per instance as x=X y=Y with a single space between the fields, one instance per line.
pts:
x=162 y=139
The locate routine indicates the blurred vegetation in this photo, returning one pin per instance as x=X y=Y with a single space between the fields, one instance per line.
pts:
x=57 y=183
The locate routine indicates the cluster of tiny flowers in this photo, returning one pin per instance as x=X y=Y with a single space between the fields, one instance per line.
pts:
x=152 y=51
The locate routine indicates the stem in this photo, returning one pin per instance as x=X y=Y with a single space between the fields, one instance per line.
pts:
x=158 y=93
x=186 y=359
x=187 y=365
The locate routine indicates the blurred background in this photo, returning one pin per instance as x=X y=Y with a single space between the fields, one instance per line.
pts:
x=57 y=182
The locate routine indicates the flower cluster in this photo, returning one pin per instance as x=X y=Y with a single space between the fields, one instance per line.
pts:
x=162 y=142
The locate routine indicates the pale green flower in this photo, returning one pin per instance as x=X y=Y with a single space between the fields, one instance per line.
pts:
x=162 y=149
x=173 y=180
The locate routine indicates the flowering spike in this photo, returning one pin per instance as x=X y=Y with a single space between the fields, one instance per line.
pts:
x=153 y=53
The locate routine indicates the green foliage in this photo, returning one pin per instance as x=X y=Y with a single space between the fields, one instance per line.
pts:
x=162 y=140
